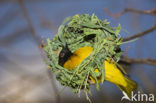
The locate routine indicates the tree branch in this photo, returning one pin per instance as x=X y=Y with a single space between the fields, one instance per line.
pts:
x=138 y=61
x=30 y=26
x=141 y=33
x=38 y=41
x=147 y=12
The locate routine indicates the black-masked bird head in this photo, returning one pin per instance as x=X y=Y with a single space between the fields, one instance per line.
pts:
x=64 y=55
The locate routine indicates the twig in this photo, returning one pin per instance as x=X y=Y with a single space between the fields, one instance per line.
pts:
x=35 y=37
x=38 y=41
x=141 y=33
x=148 y=12
x=138 y=61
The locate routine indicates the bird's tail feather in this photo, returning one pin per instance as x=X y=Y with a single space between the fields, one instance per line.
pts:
x=131 y=86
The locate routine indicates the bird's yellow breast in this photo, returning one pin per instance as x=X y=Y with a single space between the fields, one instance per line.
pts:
x=112 y=73
x=77 y=57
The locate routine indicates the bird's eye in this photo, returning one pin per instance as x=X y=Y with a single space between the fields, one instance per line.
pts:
x=62 y=55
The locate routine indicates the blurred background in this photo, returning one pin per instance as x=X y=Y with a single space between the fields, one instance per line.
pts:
x=24 y=77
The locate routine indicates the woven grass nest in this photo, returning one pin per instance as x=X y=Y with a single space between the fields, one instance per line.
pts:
x=79 y=31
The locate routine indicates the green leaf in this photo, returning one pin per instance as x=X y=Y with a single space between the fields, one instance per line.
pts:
x=118 y=29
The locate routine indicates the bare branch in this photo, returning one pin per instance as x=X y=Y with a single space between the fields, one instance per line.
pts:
x=147 y=12
x=138 y=61
x=141 y=33
x=25 y=13
x=37 y=40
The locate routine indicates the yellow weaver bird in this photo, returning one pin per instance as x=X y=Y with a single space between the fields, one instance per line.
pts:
x=70 y=60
